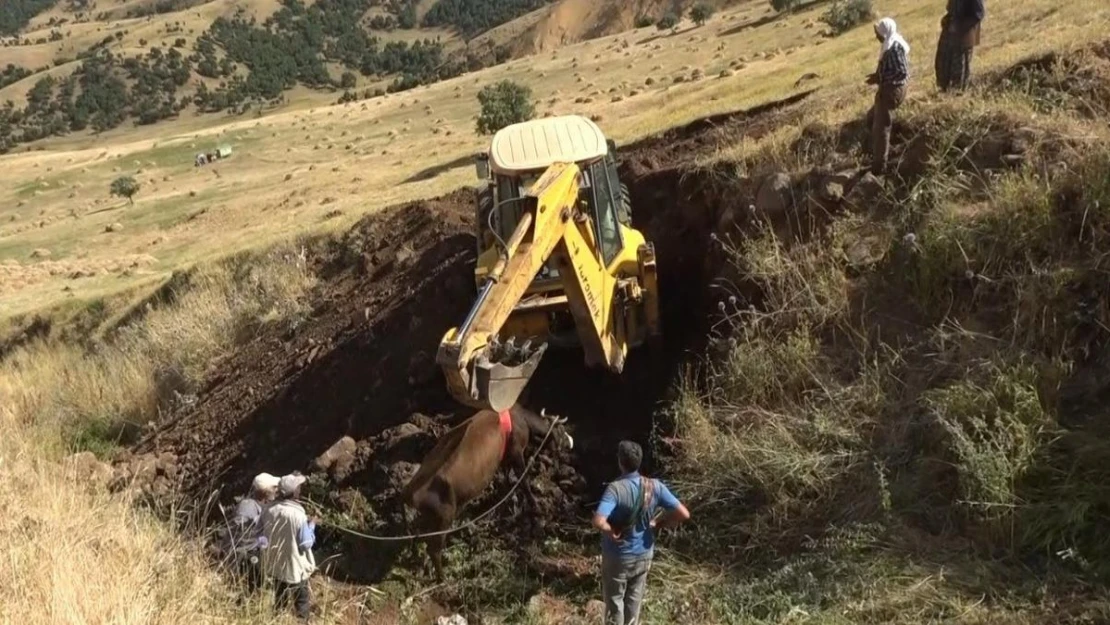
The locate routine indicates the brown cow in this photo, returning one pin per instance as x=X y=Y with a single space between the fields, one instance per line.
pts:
x=462 y=465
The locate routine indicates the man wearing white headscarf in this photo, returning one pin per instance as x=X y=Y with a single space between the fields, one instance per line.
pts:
x=891 y=77
x=290 y=535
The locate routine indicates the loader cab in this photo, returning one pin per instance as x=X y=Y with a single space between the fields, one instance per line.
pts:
x=520 y=154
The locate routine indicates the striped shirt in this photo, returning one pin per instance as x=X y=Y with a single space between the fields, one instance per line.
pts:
x=894 y=67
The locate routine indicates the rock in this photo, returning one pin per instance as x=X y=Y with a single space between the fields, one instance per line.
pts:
x=595 y=610
x=454 y=619
x=40 y=253
x=864 y=192
x=806 y=78
x=86 y=467
x=831 y=190
x=113 y=227
x=774 y=196
x=337 y=460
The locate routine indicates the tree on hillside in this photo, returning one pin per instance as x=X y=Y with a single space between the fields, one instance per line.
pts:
x=701 y=13
x=844 y=15
x=504 y=103
x=668 y=22
x=784 y=5
x=125 y=186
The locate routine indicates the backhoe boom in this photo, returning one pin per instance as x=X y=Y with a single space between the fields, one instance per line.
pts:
x=482 y=372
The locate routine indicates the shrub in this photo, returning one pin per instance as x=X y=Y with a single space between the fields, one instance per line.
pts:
x=667 y=22
x=701 y=13
x=844 y=15
x=503 y=104
x=643 y=21
x=996 y=428
x=784 y=5
x=125 y=186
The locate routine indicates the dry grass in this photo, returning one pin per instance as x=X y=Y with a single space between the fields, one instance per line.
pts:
x=75 y=553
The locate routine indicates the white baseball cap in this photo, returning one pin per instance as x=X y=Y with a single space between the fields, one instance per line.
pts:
x=265 y=481
x=290 y=483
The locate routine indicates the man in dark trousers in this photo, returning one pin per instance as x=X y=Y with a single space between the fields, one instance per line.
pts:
x=244 y=541
x=891 y=77
x=627 y=520
x=290 y=535
x=959 y=34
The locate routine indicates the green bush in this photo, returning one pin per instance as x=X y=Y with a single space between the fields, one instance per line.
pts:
x=996 y=427
x=667 y=22
x=844 y=15
x=701 y=13
x=643 y=21
x=125 y=186
x=503 y=104
x=784 y=5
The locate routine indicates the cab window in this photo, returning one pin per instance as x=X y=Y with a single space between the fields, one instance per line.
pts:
x=605 y=202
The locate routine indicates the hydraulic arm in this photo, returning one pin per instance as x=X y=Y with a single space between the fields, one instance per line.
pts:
x=485 y=372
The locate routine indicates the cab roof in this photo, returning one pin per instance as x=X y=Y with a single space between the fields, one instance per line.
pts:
x=535 y=145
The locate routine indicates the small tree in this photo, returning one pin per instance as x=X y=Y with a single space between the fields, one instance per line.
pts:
x=784 y=5
x=643 y=21
x=668 y=22
x=347 y=81
x=701 y=13
x=125 y=186
x=504 y=103
x=844 y=15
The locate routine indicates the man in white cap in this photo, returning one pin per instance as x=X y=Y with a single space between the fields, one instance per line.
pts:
x=290 y=536
x=244 y=533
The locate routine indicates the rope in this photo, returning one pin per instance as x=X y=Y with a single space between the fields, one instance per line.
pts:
x=473 y=521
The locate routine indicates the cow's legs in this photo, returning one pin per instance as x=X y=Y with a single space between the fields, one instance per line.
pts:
x=516 y=457
x=439 y=511
x=441 y=522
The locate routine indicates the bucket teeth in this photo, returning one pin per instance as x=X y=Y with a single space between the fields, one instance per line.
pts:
x=502 y=372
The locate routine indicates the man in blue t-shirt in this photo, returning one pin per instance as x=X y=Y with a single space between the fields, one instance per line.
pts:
x=627 y=518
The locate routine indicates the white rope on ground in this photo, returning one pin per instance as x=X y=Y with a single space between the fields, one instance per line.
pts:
x=468 y=524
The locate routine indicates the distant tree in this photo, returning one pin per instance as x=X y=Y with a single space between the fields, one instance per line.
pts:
x=701 y=13
x=406 y=19
x=785 y=5
x=125 y=186
x=347 y=81
x=668 y=22
x=643 y=21
x=504 y=103
x=844 y=15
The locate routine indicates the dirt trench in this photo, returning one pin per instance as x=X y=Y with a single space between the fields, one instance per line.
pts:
x=361 y=365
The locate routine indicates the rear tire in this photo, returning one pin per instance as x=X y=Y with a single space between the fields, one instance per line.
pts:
x=624 y=211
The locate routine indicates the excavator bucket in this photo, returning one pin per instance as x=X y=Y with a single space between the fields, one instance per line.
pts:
x=502 y=371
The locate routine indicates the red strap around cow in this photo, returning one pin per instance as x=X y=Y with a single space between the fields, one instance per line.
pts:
x=505 y=424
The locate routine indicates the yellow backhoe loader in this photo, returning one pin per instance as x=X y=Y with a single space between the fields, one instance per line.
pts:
x=559 y=263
